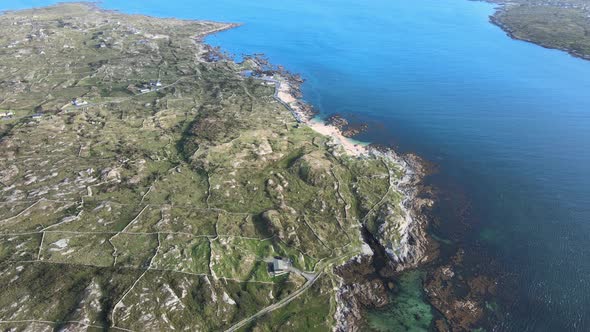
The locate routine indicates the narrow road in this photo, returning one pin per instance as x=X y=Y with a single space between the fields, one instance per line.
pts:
x=276 y=95
x=311 y=279
x=275 y=306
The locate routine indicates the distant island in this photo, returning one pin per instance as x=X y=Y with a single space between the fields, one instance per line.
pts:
x=149 y=183
x=560 y=24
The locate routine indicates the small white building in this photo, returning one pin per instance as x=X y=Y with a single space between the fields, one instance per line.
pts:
x=78 y=102
x=6 y=114
x=280 y=266
x=155 y=84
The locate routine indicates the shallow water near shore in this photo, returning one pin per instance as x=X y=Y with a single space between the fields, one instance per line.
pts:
x=505 y=121
x=408 y=310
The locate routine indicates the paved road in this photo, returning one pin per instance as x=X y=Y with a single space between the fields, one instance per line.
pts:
x=275 y=306
x=311 y=279
x=276 y=95
x=307 y=275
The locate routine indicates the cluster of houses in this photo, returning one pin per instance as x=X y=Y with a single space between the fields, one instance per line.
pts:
x=6 y=115
x=268 y=79
x=151 y=86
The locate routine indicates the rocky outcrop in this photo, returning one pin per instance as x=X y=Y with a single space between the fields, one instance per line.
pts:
x=346 y=128
x=400 y=243
x=8 y=173
x=403 y=229
x=360 y=288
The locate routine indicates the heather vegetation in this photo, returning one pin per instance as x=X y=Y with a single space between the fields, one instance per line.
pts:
x=146 y=187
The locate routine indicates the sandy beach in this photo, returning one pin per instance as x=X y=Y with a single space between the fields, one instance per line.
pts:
x=350 y=146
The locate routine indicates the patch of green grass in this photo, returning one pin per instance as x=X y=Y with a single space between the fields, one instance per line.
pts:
x=238 y=225
x=135 y=250
x=241 y=258
x=19 y=247
x=183 y=253
x=36 y=216
x=82 y=249
x=312 y=311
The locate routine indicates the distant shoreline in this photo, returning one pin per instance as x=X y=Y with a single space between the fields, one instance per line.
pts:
x=495 y=20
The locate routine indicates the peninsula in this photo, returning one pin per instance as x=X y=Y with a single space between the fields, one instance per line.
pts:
x=148 y=185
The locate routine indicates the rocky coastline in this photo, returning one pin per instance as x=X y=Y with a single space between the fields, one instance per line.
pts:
x=366 y=279
x=346 y=128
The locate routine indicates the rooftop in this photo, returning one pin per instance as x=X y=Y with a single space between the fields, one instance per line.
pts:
x=280 y=265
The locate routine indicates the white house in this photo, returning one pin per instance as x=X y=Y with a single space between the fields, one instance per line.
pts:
x=78 y=102
x=280 y=266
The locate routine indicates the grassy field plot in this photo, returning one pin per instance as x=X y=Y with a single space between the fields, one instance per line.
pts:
x=183 y=253
x=135 y=250
x=19 y=247
x=82 y=249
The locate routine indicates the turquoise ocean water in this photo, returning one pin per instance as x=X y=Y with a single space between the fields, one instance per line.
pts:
x=506 y=122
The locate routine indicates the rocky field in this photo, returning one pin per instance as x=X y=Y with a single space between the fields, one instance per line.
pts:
x=146 y=185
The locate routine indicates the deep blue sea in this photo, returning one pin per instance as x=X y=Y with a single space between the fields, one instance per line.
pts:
x=506 y=122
